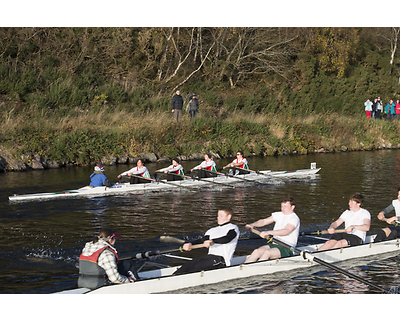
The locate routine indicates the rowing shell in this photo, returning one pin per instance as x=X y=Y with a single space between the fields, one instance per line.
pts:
x=125 y=188
x=162 y=280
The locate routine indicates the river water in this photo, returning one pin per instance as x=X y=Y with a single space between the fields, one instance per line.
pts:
x=43 y=240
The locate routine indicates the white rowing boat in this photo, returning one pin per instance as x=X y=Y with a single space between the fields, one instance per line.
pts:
x=162 y=280
x=163 y=185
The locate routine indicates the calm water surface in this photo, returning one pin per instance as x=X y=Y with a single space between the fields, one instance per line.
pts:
x=43 y=240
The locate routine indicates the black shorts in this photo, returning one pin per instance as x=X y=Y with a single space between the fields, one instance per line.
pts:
x=351 y=239
x=208 y=262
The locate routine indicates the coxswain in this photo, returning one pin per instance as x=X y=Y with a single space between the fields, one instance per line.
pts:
x=98 y=263
x=98 y=178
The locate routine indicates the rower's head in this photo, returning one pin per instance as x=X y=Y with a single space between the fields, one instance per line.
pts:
x=208 y=156
x=107 y=235
x=175 y=161
x=239 y=154
x=140 y=162
x=224 y=215
x=398 y=193
x=356 y=201
x=288 y=204
x=99 y=167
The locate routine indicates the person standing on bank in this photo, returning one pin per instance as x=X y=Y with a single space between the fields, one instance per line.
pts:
x=221 y=242
x=98 y=263
x=177 y=105
x=379 y=108
x=357 y=222
x=98 y=178
x=193 y=106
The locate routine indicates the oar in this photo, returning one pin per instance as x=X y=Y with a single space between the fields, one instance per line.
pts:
x=263 y=174
x=309 y=256
x=170 y=239
x=199 y=179
x=233 y=176
x=154 y=180
x=319 y=232
x=148 y=254
x=396 y=223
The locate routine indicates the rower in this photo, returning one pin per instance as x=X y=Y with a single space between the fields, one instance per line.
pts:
x=221 y=242
x=357 y=222
x=286 y=229
x=174 y=168
x=239 y=163
x=390 y=233
x=98 y=178
x=139 y=170
x=98 y=263
x=206 y=166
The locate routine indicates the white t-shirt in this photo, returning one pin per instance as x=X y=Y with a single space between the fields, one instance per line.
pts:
x=352 y=218
x=225 y=250
x=281 y=221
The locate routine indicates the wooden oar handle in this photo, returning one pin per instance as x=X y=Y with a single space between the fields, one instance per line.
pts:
x=396 y=223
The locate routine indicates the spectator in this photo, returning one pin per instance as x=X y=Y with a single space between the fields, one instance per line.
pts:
x=397 y=109
x=193 y=106
x=368 y=108
x=177 y=104
x=390 y=110
x=379 y=108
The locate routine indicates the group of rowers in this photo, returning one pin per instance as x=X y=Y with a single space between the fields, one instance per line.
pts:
x=140 y=174
x=222 y=240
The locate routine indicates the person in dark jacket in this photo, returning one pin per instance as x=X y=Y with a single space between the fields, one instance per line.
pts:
x=177 y=104
x=193 y=106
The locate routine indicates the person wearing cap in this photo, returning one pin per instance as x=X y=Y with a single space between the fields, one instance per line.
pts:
x=98 y=263
x=175 y=168
x=98 y=178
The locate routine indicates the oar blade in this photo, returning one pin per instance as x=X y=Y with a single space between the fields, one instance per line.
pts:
x=171 y=239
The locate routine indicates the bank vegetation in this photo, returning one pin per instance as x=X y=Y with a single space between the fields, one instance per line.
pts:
x=80 y=95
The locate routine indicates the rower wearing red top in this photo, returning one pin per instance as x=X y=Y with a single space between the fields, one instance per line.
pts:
x=239 y=163
x=206 y=166
x=175 y=168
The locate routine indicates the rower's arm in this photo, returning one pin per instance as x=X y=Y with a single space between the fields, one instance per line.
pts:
x=281 y=232
x=385 y=211
x=260 y=223
x=365 y=226
x=227 y=238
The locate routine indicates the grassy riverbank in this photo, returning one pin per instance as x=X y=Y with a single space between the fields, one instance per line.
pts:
x=84 y=137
